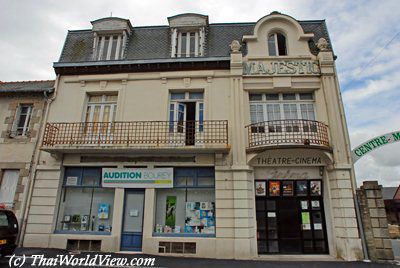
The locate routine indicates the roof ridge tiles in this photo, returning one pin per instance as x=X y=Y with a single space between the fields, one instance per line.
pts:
x=25 y=81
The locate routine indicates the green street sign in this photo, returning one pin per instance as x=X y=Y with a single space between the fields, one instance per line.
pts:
x=373 y=144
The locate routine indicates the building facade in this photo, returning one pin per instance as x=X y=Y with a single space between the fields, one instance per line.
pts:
x=22 y=105
x=219 y=140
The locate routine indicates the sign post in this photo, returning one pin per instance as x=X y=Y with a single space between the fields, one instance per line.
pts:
x=373 y=144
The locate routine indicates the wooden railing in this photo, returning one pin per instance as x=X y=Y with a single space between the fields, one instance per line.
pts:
x=287 y=132
x=138 y=133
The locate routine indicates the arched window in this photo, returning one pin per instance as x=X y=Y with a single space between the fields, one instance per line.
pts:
x=277 y=44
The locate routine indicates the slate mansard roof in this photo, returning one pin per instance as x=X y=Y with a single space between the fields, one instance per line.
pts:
x=27 y=86
x=154 y=42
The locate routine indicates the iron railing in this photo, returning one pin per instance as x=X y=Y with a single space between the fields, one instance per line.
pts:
x=137 y=133
x=287 y=132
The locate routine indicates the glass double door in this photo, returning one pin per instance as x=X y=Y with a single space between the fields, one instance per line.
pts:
x=290 y=225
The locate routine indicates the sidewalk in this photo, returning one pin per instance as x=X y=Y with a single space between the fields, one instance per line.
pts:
x=172 y=262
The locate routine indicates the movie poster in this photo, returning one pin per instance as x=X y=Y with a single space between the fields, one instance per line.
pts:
x=301 y=188
x=170 y=211
x=274 y=188
x=287 y=188
x=260 y=188
x=315 y=188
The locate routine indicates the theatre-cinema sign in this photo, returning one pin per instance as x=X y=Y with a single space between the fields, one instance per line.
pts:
x=287 y=67
x=137 y=177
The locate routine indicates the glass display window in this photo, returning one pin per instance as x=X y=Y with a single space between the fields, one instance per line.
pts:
x=84 y=205
x=188 y=209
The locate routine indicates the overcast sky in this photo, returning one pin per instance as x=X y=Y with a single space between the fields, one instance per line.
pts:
x=365 y=37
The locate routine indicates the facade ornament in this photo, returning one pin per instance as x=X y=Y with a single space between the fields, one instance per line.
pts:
x=322 y=44
x=235 y=46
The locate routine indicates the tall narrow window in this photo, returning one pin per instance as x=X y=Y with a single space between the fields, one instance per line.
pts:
x=8 y=187
x=188 y=44
x=277 y=45
x=22 y=120
x=109 y=47
x=186 y=114
x=100 y=113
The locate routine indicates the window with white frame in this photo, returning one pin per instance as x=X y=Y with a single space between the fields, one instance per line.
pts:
x=187 y=43
x=186 y=107
x=101 y=109
x=277 y=45
x=22 y=120
x=283 y=106
x=109 y=47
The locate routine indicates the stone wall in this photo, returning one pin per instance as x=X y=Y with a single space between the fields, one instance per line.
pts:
x=374 y=220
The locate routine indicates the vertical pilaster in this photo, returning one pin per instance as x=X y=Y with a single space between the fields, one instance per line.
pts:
x=340 y=174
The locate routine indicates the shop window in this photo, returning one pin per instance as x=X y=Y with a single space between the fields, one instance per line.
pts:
x=277 y=45
x=84 y=205
x=188 y=209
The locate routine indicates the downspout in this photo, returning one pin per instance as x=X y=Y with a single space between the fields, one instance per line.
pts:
x=35 y=161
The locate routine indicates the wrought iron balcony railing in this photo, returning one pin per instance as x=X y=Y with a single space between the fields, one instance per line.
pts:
x=287 y=132
x=158 y=134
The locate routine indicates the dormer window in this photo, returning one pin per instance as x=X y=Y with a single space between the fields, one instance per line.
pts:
x=109 y=47
x=187 y=43
x=188 y=35
x=277 y=45
x=110 y=38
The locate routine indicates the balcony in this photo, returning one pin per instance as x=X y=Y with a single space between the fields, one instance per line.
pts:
x=137 y=137
x=287 y=134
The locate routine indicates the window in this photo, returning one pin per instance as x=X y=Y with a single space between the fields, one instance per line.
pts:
x=187 y=43
x=275 y=107
x=22 y=120
x=100 y=113
x=186 y=108
x=8 y=187
x=84 y=205
x=189 y=208
x=109 y=47
x=277 y=45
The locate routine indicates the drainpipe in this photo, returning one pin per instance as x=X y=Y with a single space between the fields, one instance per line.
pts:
x=35 y=161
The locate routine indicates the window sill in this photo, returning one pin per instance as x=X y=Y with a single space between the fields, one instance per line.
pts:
x=182 y=235
x=81 y=232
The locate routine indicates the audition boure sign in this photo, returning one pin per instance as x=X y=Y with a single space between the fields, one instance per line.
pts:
x=292 y=67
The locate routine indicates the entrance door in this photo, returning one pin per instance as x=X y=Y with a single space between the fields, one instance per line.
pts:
x=132 y=228
x=290 y=217
x=289 y=226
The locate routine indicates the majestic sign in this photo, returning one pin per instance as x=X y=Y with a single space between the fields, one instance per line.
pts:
x=137 y=177
x=292 y=67
x=373 y=144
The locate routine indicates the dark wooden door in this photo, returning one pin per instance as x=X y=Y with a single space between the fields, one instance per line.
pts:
x=289 y=226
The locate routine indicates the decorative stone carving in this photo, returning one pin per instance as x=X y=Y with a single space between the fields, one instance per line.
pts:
x=235 y=46
x=322 y=44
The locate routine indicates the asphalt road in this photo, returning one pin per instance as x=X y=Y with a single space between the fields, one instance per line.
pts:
x=172 y=262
